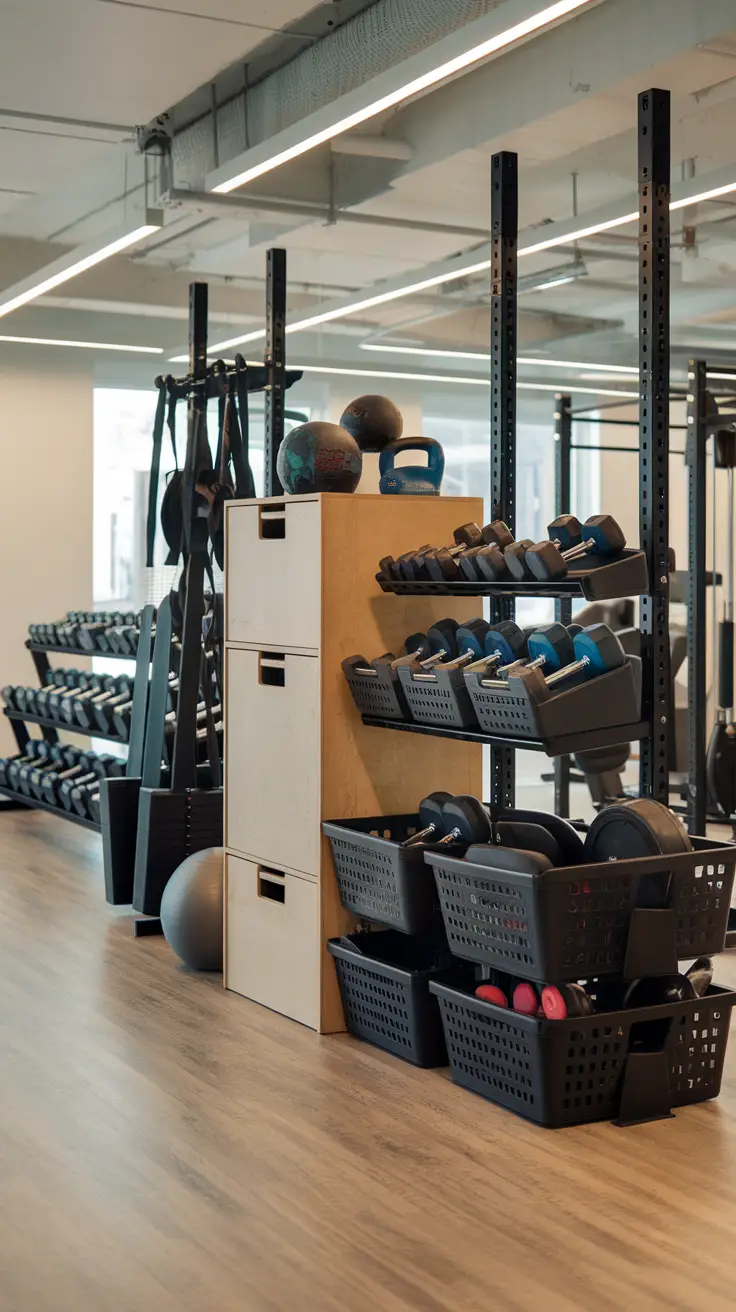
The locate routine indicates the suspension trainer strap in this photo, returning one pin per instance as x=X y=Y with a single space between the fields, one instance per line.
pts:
x=171 y=423
x=158 y=434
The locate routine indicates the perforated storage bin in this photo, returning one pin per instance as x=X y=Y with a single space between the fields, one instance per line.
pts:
x=568 y=1072
x=384 y=980
x=603 y=702
x=566 y=924
x=438 y=697
x=377 y=693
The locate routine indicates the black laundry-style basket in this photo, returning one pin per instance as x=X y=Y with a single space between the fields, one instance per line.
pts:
x=384 y=982
x=626 y=1065
x=566 y=924
x=378 y=878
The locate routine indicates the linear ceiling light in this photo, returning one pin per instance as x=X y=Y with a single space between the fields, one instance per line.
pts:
x=454 y=274
x=72 y=264
x=87 y=346
x=414 y=87
x=627 y=370
x=453 y=381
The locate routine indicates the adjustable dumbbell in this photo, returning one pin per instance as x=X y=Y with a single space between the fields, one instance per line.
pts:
x=597 y=651
x=432 y=818
x=602 y=535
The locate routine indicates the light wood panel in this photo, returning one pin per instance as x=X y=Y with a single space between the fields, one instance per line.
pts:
x=165 y=1144
x=300 y=754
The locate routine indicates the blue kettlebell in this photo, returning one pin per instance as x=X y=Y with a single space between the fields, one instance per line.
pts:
x=414 y=480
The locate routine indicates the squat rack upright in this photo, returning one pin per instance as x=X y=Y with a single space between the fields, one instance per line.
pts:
x=653 y=134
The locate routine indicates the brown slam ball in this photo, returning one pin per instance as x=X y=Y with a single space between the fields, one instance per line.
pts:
x=373 y=421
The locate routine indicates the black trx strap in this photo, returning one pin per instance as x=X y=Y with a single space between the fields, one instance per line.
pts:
x=240 y=432
x=158 y=434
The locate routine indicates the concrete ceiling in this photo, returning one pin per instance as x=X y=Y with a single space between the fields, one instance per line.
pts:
x=566 y=101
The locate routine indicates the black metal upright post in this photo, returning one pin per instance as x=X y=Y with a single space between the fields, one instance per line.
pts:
x=654 y=370
x=504 y=251
x=184 y=761
x=563 y=607
x=695 y=454
x=275 y=361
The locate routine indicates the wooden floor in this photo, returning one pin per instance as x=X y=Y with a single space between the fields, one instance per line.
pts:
x=167 y=1146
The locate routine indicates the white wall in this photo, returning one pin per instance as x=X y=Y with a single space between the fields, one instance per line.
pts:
x=46 y=456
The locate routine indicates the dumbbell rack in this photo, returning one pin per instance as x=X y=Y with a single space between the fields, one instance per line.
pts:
x=40 y=653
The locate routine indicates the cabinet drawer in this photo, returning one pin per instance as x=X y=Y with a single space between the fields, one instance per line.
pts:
x=272 y=747
x=273 y=567
x=272 y=939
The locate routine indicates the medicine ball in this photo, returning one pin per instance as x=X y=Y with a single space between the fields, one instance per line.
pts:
x=192 y=910
x=319 y=457
x=373 y=421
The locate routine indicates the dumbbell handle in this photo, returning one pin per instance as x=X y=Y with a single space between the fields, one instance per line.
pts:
x=436 y=659
x=573 y=552
x=567 y=670
x=483 y=663
x=420 y=837
x=452 y=837
x=457 y=662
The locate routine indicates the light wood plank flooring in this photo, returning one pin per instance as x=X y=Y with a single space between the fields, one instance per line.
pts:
x=167 y=1146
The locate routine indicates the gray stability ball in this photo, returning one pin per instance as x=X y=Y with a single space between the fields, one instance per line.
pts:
x=192 y=910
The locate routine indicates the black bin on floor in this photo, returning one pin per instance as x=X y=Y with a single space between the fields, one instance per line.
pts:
x=384 y=982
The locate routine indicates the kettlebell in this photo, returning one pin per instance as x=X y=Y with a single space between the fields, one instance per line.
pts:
x=413 y=480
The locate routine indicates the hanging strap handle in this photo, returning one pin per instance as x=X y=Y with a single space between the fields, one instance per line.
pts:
x=158 y=434
x=171 y=420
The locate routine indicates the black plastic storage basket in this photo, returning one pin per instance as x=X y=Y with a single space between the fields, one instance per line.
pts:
x=574 y=922
x=379 y=879
x=376 y=691
x=605 y=702
x=439 y=697
x=384 y=980
x=589 y=1068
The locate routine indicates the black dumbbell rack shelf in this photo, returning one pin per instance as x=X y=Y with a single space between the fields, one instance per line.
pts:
x=80 y=651
x=626 y=576
x=563 y=746
x=29 y=718
x=34 y=802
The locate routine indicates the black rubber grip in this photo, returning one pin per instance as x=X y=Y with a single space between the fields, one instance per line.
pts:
x=725 y=664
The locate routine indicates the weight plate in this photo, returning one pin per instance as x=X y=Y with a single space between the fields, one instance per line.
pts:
x=568 y=839
x=627 y=830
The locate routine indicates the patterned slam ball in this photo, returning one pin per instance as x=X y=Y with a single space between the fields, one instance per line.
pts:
x=318 y=457
x=373 y=421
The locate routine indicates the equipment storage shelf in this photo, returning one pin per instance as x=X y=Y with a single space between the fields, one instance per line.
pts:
x=64 y=727
x=81 y=651
x=565 y=744
x=602 y=580
x=34 y=803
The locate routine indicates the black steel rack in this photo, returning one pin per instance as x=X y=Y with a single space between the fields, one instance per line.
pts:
x=653 y=731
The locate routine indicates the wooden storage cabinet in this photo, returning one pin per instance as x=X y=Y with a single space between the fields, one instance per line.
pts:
x=270 y=932
x=273 y=757
x=300 y=596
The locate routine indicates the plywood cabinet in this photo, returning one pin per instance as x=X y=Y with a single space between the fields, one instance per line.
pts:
x=300 y=596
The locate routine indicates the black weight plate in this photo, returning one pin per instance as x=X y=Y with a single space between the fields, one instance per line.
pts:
x=531 y=837
x=514 y=860
x=627 y=830
x=568 y=839
x=469 y=817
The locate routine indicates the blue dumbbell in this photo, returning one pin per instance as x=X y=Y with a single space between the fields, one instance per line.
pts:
x=507 y=641
x=414 y=480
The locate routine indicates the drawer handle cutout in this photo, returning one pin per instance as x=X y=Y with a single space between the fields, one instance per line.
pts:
x=271 y=885
x=272 y=669
x=272 y=521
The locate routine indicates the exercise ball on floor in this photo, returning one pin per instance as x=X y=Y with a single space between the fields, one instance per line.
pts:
x=192 y=910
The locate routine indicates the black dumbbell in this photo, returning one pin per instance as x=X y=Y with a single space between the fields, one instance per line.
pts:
x=498 y=534
x=88 y=772
x=466 y=821
x=442 y=639
x=441 y=563
x=51 y=778
x=602 y=535
x=25 y=699
x=9 y=765
x=104 y=707
x=514 y=558
x=48 y=698
x=416 y=648
x=471 y=638
x=432 y=819
x=87 y=686
x=86 y=708
x=57 y=758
